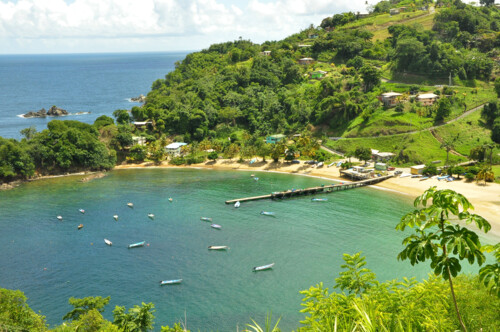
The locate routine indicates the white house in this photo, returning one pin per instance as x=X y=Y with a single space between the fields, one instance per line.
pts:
x=427 y=99
x=174 y=149
x=139 y=140
x=390 y=98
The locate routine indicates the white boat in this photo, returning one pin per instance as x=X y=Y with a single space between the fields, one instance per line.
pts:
x=320 y=164
x=108 y=242
x=59 y=218
x=206 y=219
x=424 y=178
x=80 y=226
x=218 y=247
x=319 y=199
x=170 y=199
x=170 y=282
x=252 y=175
x=404 y=175
x=115 y=217
x=130 y=204
x=237 y=204
x=266 y=213
x=216 y=226
x=81 y=210
x=256 y=178
x=151 y=216
x=263 y=267
x=138 y=244
x=330 y=165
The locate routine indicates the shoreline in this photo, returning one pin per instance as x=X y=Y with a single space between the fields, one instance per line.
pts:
x=484 y=198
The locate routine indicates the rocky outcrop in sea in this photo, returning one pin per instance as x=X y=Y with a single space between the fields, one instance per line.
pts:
x=53 y=111
x=140 y=99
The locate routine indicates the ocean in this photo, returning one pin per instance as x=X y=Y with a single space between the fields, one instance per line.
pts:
x=95 y=83
x=51 y=260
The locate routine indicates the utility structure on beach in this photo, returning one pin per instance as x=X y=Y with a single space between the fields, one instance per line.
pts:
x=313 y=190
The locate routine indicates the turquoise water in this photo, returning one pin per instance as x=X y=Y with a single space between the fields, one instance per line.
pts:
x=51 y=260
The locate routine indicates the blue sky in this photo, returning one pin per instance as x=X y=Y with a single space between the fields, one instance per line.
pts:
x=82 y=26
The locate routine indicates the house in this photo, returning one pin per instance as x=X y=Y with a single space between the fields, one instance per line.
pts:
x=427 y=99
x=139 y=140
x=390 y=98
x=265 y=53
x=417 y=169
x=312 y=36
x=380 y=166
x=141 y=123
x=381 y=156
x=318 y=74
x=306 y=61
x=174 y=149
x=274 y=138
x=394 y=11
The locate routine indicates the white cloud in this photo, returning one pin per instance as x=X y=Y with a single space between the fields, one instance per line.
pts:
x=177 y=23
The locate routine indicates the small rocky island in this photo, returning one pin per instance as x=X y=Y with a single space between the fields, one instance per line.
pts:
x=140 y=99
x=53 y=111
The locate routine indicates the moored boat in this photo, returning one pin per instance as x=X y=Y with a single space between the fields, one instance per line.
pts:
x=138 y=244
x=206 y=219
x=80 y=226
x=216 y=226
x=151 y=216
x=115 y=217
x=130 y=204
x=170 y=199
x=266 y=213
x=319 y=199
x=256 y=178
x=59 y=218
x=218 y=247
x=237 y=204
x=170 y=282
x=81 y=210
x=108 y=242
x=263 y=267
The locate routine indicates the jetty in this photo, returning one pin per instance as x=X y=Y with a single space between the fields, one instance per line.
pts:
x=313 y=190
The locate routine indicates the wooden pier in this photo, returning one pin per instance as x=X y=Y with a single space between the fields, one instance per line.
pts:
x=313 y=190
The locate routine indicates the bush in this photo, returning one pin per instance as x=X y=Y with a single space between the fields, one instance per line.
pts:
x=177 y=161
x=469 y=176
x=430 y=169
x=194 y=159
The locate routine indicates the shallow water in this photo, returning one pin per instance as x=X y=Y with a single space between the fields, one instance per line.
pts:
x=51 y=260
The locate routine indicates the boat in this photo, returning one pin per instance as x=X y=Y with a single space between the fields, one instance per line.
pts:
x=115 y=217
x=256 y=178
x=218 y=247
x=266 y=213
x=80 y=226
x=416 y=176
x=108 y=242
x=59 y=218
x=138 y=244
x=170 y=199
x=404 y=175
x=442 y=177
x=319 y=199
x=170 y=282
x=449 y=179
x=330 y=165
x=130 y=204
x=151 y=216
x=320 y=164
x=237 y=204
x=206 y=219
x=424 y=178
x=216 y=226
x=263 y=267
x=252 y=175
x=81 y=210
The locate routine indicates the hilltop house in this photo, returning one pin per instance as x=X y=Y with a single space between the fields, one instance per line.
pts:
x=306 y=61
x=273 y=139
x=141 y=123
x=427 y=99
x=390 y=98
x=394 y=11
x=174 y=149
x=318 y=74
x=265 y=53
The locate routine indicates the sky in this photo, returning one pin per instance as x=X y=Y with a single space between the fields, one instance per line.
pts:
x=101 y=26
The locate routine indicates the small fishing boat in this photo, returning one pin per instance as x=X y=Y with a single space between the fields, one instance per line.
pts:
x=266 y=213
x=404 y=175
x=216 y=226
x=81 y=210
x=130 y=205
x=320 y=164
x=218 y=247
x=170 y=282
x=138 y=244
x=252 y=175
x=80 y=226
x=319 y=199
x=424 y=178
x=206 y=219
x=151 y=216
x=237 y=204
x=108 y=242
x=263 y=267
x=170 y=199
x=59 y=218
x=115 y=217
x=330 y=165
x=256 y=178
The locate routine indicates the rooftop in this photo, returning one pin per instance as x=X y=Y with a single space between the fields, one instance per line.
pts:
x=175 y=145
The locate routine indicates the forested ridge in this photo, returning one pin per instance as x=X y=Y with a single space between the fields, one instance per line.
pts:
x=324 y=81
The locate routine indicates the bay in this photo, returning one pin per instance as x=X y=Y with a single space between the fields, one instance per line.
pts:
x=52 y=260
x=95 y=83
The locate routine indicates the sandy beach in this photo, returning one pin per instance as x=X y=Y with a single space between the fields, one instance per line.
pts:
x=485 y=198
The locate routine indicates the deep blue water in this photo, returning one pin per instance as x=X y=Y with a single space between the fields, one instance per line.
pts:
x=96 y=83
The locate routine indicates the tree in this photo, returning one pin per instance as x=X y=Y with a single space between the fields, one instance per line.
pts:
x=443 y=109
x=458 y=170
x=490 y=112
x=448 y=145
x=122 y=116
x=438 y=240
x=277 y=150
x=82 y=306
x=477 y=153
x=29 y=133
x=370 y=76
x=485 y=174
x=495 y=131
x=263 y=150
x=356 y=278
x=497 y=86
x=487 y=2
x=363 y=153
x=137 y=319
x=16 y=315
x=213 y=155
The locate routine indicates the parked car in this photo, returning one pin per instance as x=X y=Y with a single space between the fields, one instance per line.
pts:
x=391 y=168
